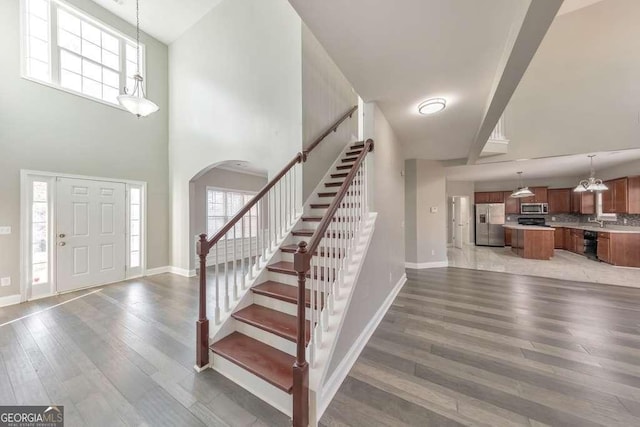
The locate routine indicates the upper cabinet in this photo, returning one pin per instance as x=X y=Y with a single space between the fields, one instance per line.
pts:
x=583 y=203
x=489 y=197
x=633 y=186
x=616 y=198
x=559 y=200
x=539 y=195
x=511 y=204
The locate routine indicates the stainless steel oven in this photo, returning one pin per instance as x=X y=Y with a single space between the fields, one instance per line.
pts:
x=534 y=208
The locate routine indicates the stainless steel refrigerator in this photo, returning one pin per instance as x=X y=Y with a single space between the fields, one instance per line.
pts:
x=489 y=222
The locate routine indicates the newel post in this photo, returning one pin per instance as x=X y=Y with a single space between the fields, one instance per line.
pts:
x=202 y=324
x=301 y=263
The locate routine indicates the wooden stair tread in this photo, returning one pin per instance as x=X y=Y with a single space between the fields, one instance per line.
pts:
x=344 y=167
x=291 y=249
x=282 y=292
x=349 y=159
x=333 y=184
x=303 y=232
x=319 y=205
x=276 y=322
x=270 y=364
x=354 y=153
x=359 y=145
x=331 y=194
x=339 y=175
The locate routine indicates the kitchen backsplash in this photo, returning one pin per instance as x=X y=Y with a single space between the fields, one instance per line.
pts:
x=632 y=220
x=548 y=218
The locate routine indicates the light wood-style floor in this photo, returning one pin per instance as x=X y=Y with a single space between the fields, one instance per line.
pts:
x=457 y=347
x=466 y=347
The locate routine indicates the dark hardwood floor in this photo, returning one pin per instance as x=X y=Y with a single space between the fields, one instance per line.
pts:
x=458 y=347
x=467 y=347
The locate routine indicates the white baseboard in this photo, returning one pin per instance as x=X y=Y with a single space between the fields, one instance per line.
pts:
x=330 y=388
x=170 y=269
x=421 y=265
x=9 y=300
x=158 y=270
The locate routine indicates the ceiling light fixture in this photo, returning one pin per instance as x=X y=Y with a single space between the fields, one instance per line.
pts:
x=592 y=184
x=521 y=191
x=137 y=102
x=432 y=106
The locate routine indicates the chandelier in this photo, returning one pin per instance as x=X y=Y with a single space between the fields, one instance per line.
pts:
x=136 y=102
x=521 y=191
x=591 y=184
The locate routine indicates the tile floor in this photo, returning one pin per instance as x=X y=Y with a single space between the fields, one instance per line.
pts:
x=564 y=265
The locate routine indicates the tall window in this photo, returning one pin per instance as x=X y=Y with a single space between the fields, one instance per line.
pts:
x=69 y=49
x=135 y=221
x=39 y=232
x=222 y=205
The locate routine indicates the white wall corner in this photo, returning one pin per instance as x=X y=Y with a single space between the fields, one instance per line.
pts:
x=157 y=270
x=9 y=300
x=422 y=265
x=331 y=386
x=182 y=271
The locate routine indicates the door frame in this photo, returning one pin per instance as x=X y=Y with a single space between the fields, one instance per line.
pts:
x=26 y=177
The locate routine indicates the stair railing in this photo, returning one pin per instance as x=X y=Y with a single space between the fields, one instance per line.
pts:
x=334 y=242
x=242 y=246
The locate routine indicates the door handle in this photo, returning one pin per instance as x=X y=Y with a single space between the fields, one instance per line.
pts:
x=62 y=236
x=61 y=243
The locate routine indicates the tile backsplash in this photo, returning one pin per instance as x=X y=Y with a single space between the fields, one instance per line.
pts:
x=631 y=220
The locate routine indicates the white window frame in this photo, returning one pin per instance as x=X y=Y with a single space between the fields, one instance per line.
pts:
x=54 y=50
x=27 y=177
x=227 y=218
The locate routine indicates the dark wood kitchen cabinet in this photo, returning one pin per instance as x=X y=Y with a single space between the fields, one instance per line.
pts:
x=616 y=198
x=577 y=241
x=604 y=247
x=634 y=194
x=489 y=197
x=558 y=238
x=539 y=195
x=566 y=239
x=621 y=249
x=507 y=237
x=559 y=200
x=583 y=203
x=511 y=204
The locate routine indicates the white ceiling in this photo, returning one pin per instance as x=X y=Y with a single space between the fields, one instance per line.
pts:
x=573 y=5
x=399 y=53
x=164 y=20
x=549 y=167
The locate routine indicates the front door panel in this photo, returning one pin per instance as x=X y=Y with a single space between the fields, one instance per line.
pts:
x=90 y=233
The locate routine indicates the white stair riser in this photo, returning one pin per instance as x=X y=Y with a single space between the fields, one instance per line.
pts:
x=278 y=305
x=268 y=338
x=257 y=386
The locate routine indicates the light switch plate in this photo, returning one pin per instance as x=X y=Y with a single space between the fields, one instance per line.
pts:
x=5 y=229
x=434 y=209
x=5 y=281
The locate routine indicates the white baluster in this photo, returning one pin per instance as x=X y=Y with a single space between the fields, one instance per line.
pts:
x=242 y=234
x=226 y=273
x=312 y=315
x=235 y=260
x=217 y=272
x=258 y=234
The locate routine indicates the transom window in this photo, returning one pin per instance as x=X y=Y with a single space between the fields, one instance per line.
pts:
x=69 y=49
x=222 y=205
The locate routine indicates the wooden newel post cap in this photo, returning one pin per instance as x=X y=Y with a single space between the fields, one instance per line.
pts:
x=301 y=259
x=302 y=247
x=203 y=245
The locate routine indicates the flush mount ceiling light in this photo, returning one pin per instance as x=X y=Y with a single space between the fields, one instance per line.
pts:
x=521 y=191
x=136 y=102
x=432 y=106
x=592 y=184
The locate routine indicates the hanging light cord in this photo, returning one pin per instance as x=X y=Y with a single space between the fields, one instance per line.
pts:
x=138 y=36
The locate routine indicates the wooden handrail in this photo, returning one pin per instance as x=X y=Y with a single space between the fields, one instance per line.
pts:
x=337 y=201
x=333 y=128
x=299 y=158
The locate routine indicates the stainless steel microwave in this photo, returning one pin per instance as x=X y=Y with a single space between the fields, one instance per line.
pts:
x=534 y=208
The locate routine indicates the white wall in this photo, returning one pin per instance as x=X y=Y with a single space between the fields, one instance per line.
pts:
x=580 y=94
x=45 y=129
x=426 y=189
x=235 y=94
x=510 y=185
x=326 y=96
x=384 y=263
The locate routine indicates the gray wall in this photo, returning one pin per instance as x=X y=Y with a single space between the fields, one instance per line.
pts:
x=220 y=178
x=236 y=94
x=384 y=263
x=580 y=93
x=426 y=188
x=45 y=129
x=625 y=169
x=326 y=96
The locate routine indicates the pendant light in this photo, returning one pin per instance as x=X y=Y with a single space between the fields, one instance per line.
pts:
x=592 y=184
x=521 y=191
x=136 y=102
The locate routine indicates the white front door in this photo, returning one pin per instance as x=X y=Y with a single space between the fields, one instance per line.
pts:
x=90 y=233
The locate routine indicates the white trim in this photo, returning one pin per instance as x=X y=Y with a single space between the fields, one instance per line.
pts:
x=226 y=167
x=421 y=265
x=25 y=209
x=182 y=271
x=158 y=270
x=10 y=300
x=330 y=388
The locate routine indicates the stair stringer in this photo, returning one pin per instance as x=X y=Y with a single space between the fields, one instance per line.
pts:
x=324 y=354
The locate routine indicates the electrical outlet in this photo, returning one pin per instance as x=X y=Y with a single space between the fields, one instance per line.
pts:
x=433 y=252
x=5 y=229
x=553 y=218
x=624 y=221
x=5 y=281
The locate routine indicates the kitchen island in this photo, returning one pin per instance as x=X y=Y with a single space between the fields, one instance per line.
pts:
x=532 y=242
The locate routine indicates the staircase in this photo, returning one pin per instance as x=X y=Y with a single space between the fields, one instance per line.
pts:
x=274 y=320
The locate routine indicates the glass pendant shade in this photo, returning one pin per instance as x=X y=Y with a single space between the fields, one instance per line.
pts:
x=592 y=184
x=136 y=102
x=521 y=191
